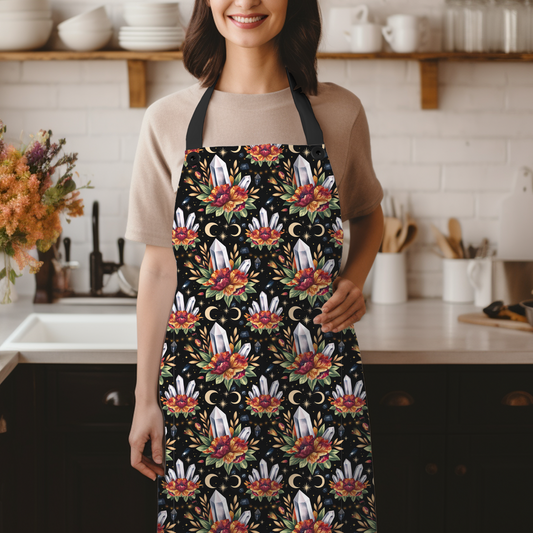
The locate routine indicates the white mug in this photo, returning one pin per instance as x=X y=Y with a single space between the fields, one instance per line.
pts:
x=406 y=33
x=455 y=284
x=389 y=282
x=365 y=38
x=479 y=272
x=341 y=20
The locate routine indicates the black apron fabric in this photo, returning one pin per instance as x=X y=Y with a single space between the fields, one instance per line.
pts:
x=266 y=422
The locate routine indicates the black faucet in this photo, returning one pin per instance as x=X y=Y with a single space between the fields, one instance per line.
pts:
x=99 y=267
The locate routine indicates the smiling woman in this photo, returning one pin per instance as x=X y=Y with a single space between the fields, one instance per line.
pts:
x=263 y=423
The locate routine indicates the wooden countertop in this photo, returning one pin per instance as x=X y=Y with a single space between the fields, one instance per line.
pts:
x=420 y=331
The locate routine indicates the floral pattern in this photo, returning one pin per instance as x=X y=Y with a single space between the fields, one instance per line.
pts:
x=266 y=422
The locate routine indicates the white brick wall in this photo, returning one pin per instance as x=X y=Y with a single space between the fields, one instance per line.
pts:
x=459 y=160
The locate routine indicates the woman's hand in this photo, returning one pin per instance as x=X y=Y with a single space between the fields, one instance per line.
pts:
x=147 y=425
x=343 y=308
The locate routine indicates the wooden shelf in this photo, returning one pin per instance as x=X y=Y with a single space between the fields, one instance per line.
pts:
x=428 y=61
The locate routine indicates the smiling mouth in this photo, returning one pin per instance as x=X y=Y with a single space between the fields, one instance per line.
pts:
x=247 y=20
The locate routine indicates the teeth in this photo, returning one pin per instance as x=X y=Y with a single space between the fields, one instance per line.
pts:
x=245 y=20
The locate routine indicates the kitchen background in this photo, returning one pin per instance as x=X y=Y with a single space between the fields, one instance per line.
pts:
x=456 y=161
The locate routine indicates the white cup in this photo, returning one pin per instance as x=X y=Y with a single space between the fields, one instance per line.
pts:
x=365 y=38
x=389 y=282
x=455 y=286
x=479 y=272
x=406 y=33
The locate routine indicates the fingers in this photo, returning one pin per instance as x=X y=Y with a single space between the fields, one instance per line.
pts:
x=346 y=300
x=143 y=464
x=346 y=320
x=157 y=449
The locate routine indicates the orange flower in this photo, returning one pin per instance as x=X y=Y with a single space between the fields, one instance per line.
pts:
x=310 y=526
x=230 y=365
x=264 y=152
x=264 y=236
x=182 y=320
x=231 y=449
x=338 y=235
x=231 y=198
x=226 y=526
x=264 y=320
x=348 y=403
x=311 y=365
x=313 y=198
x=263 y=403
x=231 y=282
x=264 y=488
x=181 y=487
x=312 y=449
x=180 y=403
x=183 y=236
x=313 y=282
x=348 y=487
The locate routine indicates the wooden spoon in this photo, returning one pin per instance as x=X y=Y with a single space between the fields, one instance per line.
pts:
x=412 y=231
x=393 y=227
x=443 y=243
x=403 y=232
x=456 y=237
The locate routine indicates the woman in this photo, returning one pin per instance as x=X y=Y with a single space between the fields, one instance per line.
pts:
x=256 y=408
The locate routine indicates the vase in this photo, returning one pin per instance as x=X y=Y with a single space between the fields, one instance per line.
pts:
x=8 y=293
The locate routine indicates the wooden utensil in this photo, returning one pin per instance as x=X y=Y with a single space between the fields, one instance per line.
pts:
x=483 y=320
x=412 y=231
x=393 y=227
x=455 y=238
x=443 y=243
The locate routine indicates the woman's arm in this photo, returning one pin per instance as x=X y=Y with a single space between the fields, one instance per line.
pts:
x=347 y=304
x=157 y=286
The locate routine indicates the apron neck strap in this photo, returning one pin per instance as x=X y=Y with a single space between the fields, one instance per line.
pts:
x=311 y=127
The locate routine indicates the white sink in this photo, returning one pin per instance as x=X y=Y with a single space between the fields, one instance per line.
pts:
x=47 y=332
x=96 y=300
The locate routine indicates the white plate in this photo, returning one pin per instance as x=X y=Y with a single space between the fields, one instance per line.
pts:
x=149 y=47
x=150 y=39
x=150 y=33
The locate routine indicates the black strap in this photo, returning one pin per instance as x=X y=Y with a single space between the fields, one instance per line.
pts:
x=311 y=127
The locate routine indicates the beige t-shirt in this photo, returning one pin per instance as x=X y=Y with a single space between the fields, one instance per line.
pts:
x=245 y=119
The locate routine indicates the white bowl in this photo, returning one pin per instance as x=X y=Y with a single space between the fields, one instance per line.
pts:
x=85 y=41
x=95 y=18
x=140 y=19
x=42 y=14
x=23 y=5
x=149 y=46
x=18 y=35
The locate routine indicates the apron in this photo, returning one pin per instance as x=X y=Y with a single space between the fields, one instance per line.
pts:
x=266 y=422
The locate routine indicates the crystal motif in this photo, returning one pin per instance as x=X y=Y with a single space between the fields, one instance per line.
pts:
x=302 y=339
x=180 y=219
x=219 y=171
x=219 y=423
x=302 y=255
x=219 y=507
x=302 y=423
x=303 y=172
x=329 y=517
x=219 y=255
x=219 y=339
x=245 y=517
x=302 y=507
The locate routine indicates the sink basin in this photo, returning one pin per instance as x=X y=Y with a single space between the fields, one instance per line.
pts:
x=46 y=332
x=88 y=300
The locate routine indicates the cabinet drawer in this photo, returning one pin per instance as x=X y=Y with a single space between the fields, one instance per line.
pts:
x=406 y=398
x=491 y=397
x=91 y=395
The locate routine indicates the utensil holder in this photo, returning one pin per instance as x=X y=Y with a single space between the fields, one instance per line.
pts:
x=389 y=283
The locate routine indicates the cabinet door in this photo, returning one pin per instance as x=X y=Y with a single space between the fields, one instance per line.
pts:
x=91 y=485
x=409 y=472
x=489 y=488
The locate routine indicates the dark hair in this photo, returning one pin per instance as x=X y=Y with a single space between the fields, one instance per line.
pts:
x=204 y=48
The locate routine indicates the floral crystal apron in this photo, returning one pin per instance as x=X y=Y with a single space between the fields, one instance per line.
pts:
x=266 y=422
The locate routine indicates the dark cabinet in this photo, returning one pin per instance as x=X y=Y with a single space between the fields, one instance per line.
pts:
x=452 y=447
x=74 y=473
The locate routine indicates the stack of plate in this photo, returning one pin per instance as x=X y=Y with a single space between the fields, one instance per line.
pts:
x=151 y=27
x=24 y=24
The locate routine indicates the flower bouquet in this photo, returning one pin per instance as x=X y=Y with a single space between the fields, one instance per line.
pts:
x=30 y=202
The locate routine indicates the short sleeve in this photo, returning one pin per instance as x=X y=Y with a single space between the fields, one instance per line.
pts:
x=151 y=196
x=360 y=191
